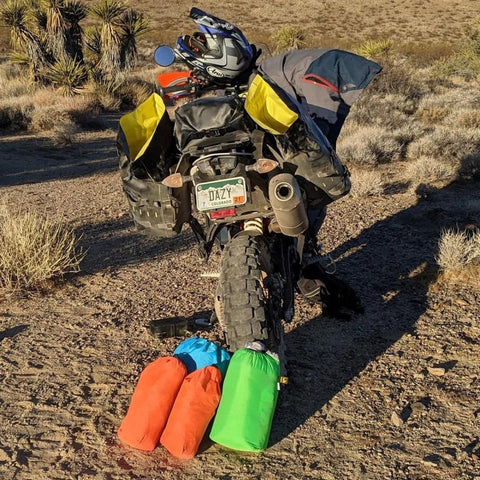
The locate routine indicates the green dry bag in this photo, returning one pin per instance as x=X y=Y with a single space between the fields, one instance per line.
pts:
x=250 y=390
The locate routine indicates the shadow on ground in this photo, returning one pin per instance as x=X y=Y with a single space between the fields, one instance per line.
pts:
x=27 y=159
x=115 y=243
x=390 y=265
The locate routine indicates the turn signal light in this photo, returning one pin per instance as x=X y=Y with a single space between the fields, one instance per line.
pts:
x=175 y=180
x=263 y=165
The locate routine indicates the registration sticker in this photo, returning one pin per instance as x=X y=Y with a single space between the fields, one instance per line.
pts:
x=221 y=193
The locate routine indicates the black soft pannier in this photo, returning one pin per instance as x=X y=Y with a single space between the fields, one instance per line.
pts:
x=147 y=154
x=316 y=166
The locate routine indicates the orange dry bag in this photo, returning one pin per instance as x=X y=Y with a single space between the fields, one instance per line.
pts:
x=151 y=403
x=192 y=411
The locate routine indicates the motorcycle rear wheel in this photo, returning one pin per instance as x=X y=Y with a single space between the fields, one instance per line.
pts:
x=244 y=295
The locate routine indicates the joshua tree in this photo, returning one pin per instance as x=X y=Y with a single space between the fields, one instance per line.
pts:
x=110 y=13
x=74 y=12
x=15 y=14
x=47 y=35
x=133 y=24
x=56 y=27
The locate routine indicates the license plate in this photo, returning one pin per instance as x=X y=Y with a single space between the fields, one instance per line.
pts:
x=221 y=193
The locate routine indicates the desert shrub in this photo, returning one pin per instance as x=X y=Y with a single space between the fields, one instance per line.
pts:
x=464 y=64
x=10 y=71
x=54 y=124
x=398 y=77
x=34 y=250
x=424 y=54
x=63 y=133
x=446 y=144
x=432 y=115
x=448 y=100
x=106 y=90
x=374 y=49
x=391 y=110
x=135 y=91
x=463 y=118
x=429 y=170
x=16 y=113
x=47 y=118
x=472 y=32
x=366 y=183
x=457 y=249
x=13 y=81
x=288 y=37
x=370 y=146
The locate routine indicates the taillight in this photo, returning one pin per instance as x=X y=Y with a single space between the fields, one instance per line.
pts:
x=226 y=212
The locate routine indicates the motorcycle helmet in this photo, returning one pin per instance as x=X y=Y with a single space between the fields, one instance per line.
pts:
x=220 y=50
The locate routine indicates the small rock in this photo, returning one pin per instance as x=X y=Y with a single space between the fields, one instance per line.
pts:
x=461 y=302
x=396 y=419
x=435 y=461
x=4 y=456
x=437 y=371
x=418 y=407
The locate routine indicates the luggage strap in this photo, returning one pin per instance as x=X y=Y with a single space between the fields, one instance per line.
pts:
x=258 y=137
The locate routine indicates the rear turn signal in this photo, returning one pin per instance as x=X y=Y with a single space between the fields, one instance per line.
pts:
x=173 y=181
x=263 y=165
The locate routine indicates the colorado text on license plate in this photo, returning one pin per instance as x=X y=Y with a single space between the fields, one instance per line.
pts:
x=221 y=193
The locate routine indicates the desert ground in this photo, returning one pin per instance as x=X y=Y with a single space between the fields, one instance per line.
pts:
x=391 y=393
x=332 y=23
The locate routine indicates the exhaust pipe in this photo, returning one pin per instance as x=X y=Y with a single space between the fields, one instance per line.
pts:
x=287 y=203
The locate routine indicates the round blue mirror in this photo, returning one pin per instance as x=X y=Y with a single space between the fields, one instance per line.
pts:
x=164 y=56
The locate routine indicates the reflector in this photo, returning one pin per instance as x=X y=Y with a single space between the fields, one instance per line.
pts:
x=226 y=212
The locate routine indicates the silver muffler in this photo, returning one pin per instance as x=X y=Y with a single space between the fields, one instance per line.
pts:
x=287 y=203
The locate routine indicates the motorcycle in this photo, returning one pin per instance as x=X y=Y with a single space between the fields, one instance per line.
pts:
x=243 y=173
x=228 y=181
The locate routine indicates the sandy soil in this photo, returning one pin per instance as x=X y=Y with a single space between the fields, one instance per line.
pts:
x=394 y=393
x=323 y=22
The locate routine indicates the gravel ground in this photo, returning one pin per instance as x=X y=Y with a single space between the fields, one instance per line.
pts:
x=393 y=393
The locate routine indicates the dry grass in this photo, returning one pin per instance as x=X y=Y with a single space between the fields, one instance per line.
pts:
x=391 y=110
x=46 y=112
x=459 y=256
x=370 y=146
x=429 y=170
x=56 y=125
x=366 y=183
x=136 y=91
x=446 y=144
x=34 y=250
x=456 y=106
x=341 y=23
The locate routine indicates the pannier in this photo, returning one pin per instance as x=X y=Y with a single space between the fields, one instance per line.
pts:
x=316 y=166
x=301 y=148
x=146 y=155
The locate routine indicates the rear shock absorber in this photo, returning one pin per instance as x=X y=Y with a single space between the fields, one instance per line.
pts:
x=254 y=226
